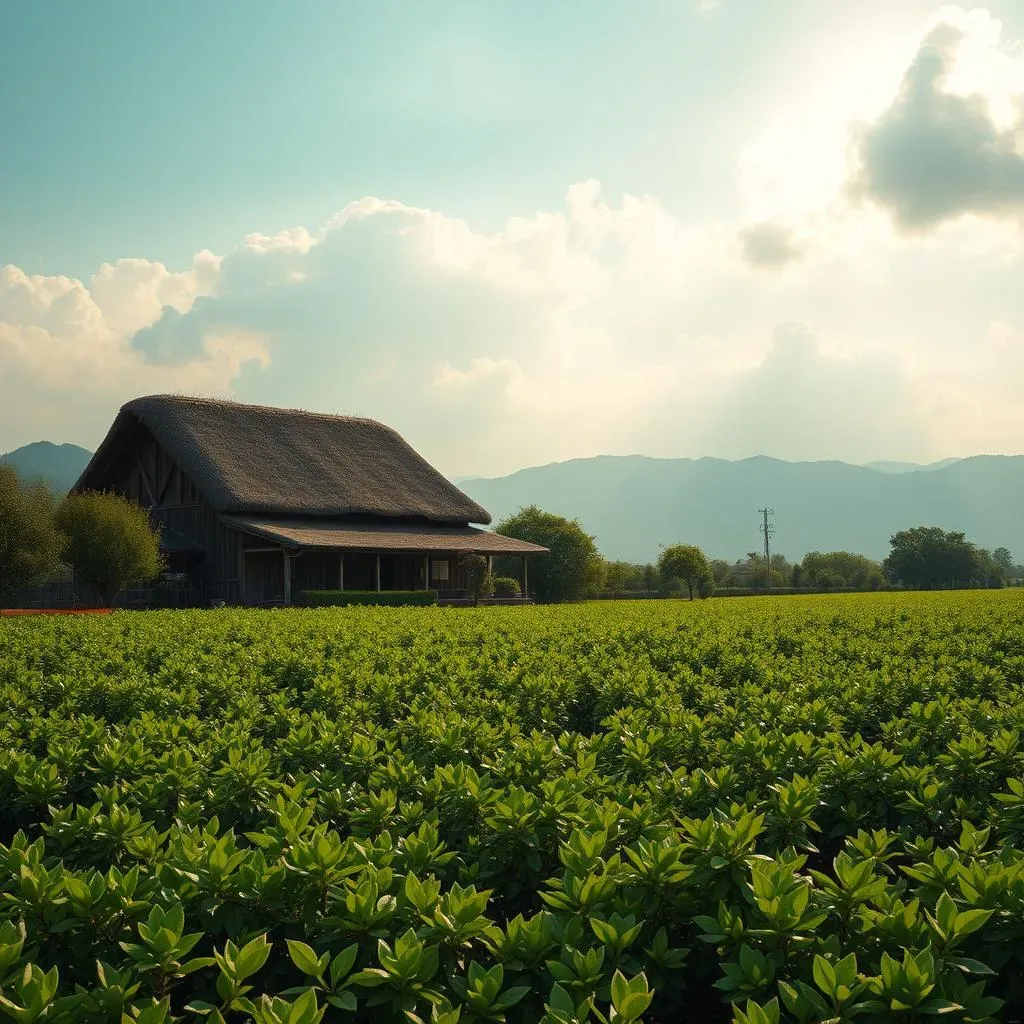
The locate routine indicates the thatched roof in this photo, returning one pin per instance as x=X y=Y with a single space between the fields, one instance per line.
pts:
x=330 y=533
x=257 y=459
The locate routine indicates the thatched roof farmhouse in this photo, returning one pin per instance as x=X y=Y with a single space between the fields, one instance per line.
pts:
x=258 y=503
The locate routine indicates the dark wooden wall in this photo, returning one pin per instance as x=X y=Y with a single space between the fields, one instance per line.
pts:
x=153 y=479
x=147 y=474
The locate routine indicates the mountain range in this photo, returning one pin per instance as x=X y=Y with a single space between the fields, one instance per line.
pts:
x=58 y=465
x=634 y=504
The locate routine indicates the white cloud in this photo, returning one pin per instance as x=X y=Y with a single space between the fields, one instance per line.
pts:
x=952 y=141
x=929 y=126
x=66 y=360
x=132 y=293
x=602 y=326
x=770 y=246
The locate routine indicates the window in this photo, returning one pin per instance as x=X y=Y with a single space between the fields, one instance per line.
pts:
x=439 y=571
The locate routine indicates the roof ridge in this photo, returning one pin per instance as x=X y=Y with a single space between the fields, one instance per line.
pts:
x=234 y=404
x=266 y=459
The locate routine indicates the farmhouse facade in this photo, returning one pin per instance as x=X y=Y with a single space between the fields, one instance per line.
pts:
x=256 y=504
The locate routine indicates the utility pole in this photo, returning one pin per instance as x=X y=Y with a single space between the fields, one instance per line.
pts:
x=767 y=531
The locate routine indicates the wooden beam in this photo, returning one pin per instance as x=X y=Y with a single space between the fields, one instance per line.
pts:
x=166 y=485
x=378 y=573
x=145 y=482
x=341 y=571
x=525 y=578
x=426 y=572
x=287 y=576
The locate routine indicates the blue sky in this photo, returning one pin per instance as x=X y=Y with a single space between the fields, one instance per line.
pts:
x=667 y=211
x=143 y=126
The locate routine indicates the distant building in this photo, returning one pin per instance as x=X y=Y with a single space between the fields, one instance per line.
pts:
x=256 y=504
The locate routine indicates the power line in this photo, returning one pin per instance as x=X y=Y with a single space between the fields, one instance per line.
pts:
x=767 y=531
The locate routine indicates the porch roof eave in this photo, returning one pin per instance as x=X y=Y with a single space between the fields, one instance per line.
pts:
x=384 y=539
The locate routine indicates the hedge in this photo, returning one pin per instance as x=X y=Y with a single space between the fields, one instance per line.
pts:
x=341 y=598
x=506 y=586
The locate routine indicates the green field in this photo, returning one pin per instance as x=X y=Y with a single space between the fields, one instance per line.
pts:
x=795 y=809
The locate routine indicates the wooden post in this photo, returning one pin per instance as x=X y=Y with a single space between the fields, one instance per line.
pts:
x=526 y=591
x=287 y=576
x=426 y=572
x=341 y=571
x=378 y=573
x=241 y=573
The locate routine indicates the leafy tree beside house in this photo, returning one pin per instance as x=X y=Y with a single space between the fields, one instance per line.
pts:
x=30 y=543
x=478 y=576
x=573 y=566
x=110 y=542
x=688 y=565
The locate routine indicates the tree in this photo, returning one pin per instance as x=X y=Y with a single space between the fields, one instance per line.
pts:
x=629 y=578
x=110 y=542
x=478 y=576
x=839 y=569
x=618 y=577
x=721 y=570
x=30 y=543
x=571 y=569
x=989 y=572
x=752 y=572
x=1003 y=558
x=687 y=564
x=927 y=557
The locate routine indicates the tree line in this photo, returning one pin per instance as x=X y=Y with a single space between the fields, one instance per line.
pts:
x=111 y=544
x=105 y=538
x=924 y=557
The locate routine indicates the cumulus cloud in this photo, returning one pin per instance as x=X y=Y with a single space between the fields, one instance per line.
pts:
x=601 y=326
x=800 y=390
x=66 y=360
x=411 y=316
x=952 y=141
x=770 y=246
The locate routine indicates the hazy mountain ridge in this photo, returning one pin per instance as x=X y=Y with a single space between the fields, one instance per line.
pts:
x=59 y=465
x=634 y=504
x=886 y=466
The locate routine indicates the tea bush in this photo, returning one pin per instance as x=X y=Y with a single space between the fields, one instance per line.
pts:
x=799 y=809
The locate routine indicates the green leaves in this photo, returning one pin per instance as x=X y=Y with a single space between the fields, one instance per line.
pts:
x=952 y=926
x=236 y=966
x=164 y=946
x=753 y=1013
x=496 y=817
x=306 y=959
x=630 y=998
x=32 y=994
x=330 y=974
x=480 y=992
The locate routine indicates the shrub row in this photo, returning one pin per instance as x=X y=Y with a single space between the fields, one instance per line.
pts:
x=345 y=598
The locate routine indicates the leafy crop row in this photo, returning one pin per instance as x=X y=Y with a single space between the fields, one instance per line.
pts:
x=795 y=810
